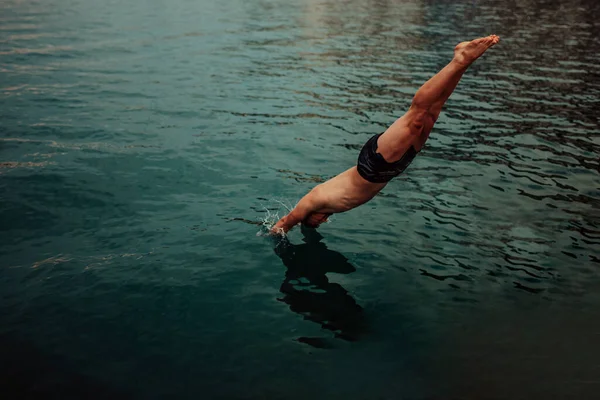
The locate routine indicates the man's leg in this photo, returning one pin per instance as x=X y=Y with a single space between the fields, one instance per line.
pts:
x=430 y=98
x=434 y=93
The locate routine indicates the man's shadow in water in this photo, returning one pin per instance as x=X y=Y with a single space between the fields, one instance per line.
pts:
x=309 y=293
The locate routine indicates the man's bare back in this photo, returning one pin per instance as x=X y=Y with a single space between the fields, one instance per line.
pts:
x=387 y=155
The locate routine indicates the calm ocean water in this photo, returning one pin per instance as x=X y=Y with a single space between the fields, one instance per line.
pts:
x=143 y=142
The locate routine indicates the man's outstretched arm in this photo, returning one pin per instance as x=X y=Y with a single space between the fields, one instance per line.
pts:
x=307 y=205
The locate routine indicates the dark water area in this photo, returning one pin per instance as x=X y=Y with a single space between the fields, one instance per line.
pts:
x=142 y=144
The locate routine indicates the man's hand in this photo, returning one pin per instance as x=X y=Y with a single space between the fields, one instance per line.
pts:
x=285 y=224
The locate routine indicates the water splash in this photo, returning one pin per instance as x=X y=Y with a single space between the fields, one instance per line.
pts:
x=272 y=215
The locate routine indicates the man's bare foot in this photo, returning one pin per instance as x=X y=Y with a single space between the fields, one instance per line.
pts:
x=467 y=52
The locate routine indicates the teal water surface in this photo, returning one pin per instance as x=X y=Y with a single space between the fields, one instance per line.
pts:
x=143 y=143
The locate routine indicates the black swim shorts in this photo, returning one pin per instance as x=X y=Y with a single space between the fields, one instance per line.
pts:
x=373 y=167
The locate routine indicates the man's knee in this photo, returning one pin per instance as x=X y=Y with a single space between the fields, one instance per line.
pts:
x=420 y=118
